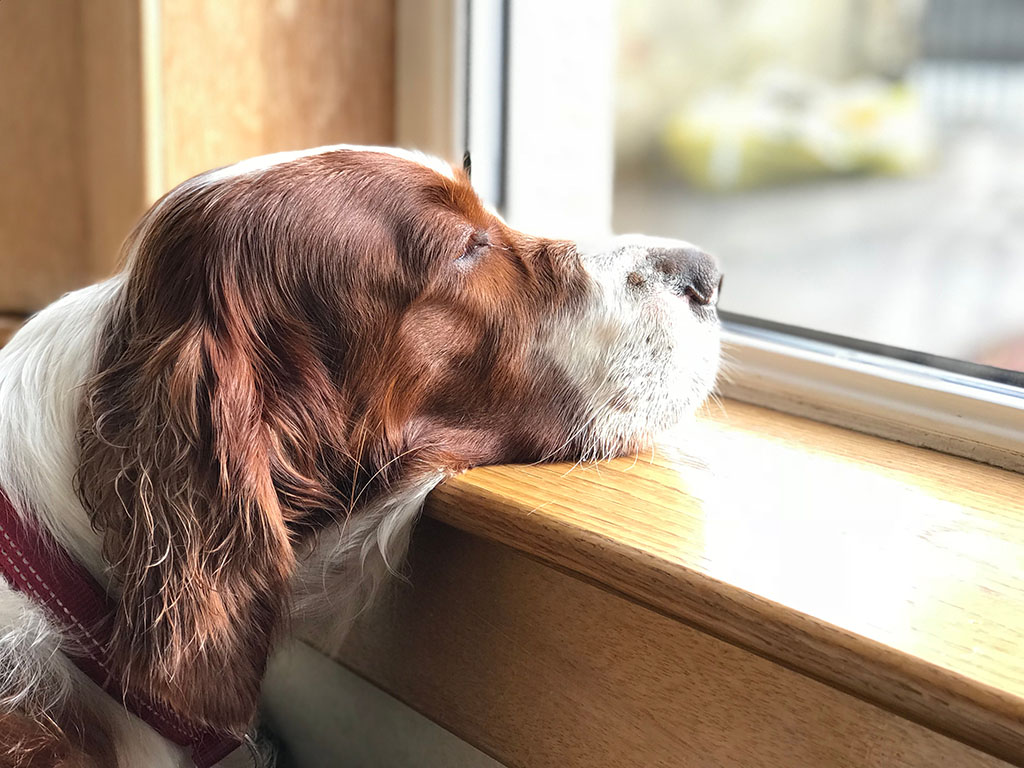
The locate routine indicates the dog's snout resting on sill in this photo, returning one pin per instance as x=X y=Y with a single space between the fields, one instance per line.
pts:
x=237 y=432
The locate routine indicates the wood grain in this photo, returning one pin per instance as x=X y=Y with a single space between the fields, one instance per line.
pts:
x=42 y=208
x=891 y=572
x=540 y=669
x=103 y=112
x=247 y=77
x=112 y=128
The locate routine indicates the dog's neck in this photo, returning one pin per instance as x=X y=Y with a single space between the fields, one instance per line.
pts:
x=43 y=370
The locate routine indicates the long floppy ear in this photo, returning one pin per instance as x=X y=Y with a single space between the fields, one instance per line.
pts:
x=179 y=454
x=175 y=473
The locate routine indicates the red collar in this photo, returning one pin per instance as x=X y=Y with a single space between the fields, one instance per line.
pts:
x=37 y=565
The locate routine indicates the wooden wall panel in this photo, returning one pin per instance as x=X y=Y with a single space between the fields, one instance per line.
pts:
x=112 y=125
x=42 y=209
x=108 y=103
x=246 y=77
x=542 y=670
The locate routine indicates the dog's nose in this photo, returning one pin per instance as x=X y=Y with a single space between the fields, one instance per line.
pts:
x=689 y=272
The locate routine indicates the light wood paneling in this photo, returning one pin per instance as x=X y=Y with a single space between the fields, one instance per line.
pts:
x=113 y=128
x=892 y=572
x=428 y=64
x=108 y=103
x=8 y=326
x=246 y=77
x=71 y=138
x=42 y=208
x=542 y=670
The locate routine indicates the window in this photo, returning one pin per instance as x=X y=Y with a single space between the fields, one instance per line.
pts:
x=858 y=166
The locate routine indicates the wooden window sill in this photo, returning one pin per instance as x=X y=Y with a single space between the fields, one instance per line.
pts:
x=892 y=575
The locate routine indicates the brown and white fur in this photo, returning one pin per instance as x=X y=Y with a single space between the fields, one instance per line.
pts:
x=238 y=430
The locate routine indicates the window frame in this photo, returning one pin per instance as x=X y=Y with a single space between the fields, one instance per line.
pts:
x=565 y=188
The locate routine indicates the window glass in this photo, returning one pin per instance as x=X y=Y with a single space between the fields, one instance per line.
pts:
x=858 y=165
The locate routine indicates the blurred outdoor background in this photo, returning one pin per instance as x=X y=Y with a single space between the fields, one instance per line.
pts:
x=857 y=164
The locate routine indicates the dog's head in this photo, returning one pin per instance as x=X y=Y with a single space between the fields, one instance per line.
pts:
x=299 y=336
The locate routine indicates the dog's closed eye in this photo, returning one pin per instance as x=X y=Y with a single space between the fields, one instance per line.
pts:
x=477 y=244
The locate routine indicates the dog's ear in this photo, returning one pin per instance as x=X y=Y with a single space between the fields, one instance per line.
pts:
x=179 y=454
x=176 y=475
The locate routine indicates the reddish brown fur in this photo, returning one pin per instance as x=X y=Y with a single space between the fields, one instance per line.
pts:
x=71 y=738
x=289 y=345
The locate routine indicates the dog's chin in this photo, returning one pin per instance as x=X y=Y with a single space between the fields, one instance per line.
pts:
x=636 y=429
x=651 y=387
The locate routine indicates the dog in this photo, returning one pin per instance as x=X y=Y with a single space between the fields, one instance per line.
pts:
x=238 y=430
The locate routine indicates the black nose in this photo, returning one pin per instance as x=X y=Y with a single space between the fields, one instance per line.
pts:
x=689 y=272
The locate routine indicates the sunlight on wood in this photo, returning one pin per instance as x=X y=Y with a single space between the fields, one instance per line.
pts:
x=923 y=558
x=888 y=570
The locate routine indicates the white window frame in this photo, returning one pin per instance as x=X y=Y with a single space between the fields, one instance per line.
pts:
x=521 y=117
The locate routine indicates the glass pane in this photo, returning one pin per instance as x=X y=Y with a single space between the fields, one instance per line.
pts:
x=858 y=165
